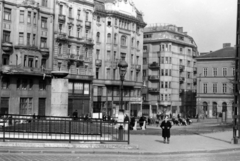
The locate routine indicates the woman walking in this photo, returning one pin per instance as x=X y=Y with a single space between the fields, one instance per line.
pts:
x=166 y=126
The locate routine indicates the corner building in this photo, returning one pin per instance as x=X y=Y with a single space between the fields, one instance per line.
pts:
x=25 y=56
x=169 y=71
x=117 y=34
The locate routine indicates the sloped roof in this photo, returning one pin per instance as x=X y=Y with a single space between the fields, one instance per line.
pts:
x=228 y=52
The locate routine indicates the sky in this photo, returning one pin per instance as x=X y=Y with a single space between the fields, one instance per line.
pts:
x=210 y=22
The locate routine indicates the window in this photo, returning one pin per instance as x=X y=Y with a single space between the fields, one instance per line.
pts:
x=24 y=84
x=87 y=16
x=69 y=30
x=35 y=18
x=137 y=76
x=214 y=72
x=205 y=88
x=233 y=71
x=44 y=23
x=205 y=72
x=98 y=37
x=42 y=85
x=166 y=60
x=4 y=105
x=44 y=63
x=166 y=97
x=78 y=50
x=170 y=72
x=108 y=55
x=132 y=42
x=6 y=36
x=7 y=14
x=162 y=84
x=97 y=53
x=132 y=59
x=97 y=73
x=188 y=74
x=30 y=61
x=43 y=42
x=224 y=88
x=114 y=74
x=162 y=60
x=109 y=23
x=144 y=48
x=115 y=38
x=224 y=72
x=162 y=72
x=59 y=48
x=60 y=27
x=123 y=41
x=114 y=56
x=29 y=17
x=5 y=59
x=34 y=40
x=69 y=49
x=166 y=72
x=78 y=32
x=108 y=38
x=214 y=87
x=188 y=63
x=166 y=84
x=78 y=88
x=28 y=38
x=86 y=33
x=21 y=38
x=26 y=106
x=137 y=60
x=108 y=73
x=60 y=9
x=144 y=61
x=79 y=14
x=123 y=56
x=30 y=84
x=116 y=21
x=161 y=97
x=36 y=62
x=5 y=83
x=138 y=45
x=44 y=3
x=169 y=86
x=21 y=19
x=70 y=12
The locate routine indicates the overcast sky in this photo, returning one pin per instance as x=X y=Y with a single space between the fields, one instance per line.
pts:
x=210 y=22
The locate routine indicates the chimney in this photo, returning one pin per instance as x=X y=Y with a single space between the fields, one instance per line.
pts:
x=226 y=45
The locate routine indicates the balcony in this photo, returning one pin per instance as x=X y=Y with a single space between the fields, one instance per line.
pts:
x=153 y=77
x=138 y=67
x=7 y=46
x=153 y=90
x=194 y=81
x=44 y=52
x=13 y=69
x=98 y=63
x=61 y=18
x=181 y=80
x=62 y=37
x=88 y=24
x=154 y=65
x=181 y=68
x=195 y=70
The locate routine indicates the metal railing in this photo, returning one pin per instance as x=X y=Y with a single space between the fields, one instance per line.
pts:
x=49 y=128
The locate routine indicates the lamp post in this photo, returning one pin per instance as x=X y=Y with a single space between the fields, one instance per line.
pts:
x=122 y=72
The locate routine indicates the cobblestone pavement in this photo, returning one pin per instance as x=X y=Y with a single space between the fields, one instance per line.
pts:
x=229 y=156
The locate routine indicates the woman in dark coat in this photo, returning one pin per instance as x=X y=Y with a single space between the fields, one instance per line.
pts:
x=166 y=126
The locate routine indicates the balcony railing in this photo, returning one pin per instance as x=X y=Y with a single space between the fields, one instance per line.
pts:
x=61 y=18
x=153 y=77
x=98 y=62
x=62 y=36
x=181 y=68
x=181 y=79
x=7 y=46
x=153 y=90
x=88 y=24
x=154 y=65
x=138 y=67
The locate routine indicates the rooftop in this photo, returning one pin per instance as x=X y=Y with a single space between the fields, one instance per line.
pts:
x=228 y=52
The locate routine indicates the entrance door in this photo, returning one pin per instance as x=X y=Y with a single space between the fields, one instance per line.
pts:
x=42 y=106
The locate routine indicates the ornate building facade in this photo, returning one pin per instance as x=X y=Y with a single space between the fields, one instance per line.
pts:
x=25 y=56
x=118 y=34
x=169 y=71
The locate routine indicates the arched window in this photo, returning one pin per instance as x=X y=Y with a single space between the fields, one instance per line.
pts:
x=123 y=40
x=109 y=38
x=132 y=41
x=59 y=48
x=115 y=38
x=98 y=37
x=214 y=109
x=224 y=107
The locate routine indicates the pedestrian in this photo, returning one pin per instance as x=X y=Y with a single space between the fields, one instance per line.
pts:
x=75 y=115
x=166 y=126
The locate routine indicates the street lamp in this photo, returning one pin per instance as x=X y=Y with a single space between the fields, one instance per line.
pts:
x=122 y=71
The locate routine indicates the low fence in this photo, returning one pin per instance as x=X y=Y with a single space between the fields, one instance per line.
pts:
x=48 y=128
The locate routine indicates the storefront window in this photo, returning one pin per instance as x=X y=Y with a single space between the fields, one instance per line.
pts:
x=78 y=88
x=86 y=89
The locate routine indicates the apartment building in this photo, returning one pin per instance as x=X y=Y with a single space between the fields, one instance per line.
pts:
x=72 y=57
x=169 y=71
x=117 y=34
x=25 y=56
x=216 y=71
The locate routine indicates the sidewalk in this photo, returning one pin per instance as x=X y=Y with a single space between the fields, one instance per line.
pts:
x=140 y=144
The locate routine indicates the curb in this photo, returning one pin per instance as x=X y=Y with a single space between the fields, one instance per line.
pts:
x=115 y=152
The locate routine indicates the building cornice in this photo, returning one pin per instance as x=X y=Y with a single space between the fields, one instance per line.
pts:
x=214 y=59
x=168 y=40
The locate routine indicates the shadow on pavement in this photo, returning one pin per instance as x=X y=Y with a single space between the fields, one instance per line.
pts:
x=160 y=141
x=229 y=142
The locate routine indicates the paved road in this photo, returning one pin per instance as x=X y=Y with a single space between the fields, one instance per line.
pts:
x=229 y=156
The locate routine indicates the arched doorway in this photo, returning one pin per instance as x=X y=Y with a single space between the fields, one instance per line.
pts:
x=224 y=111
x=215 y=109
